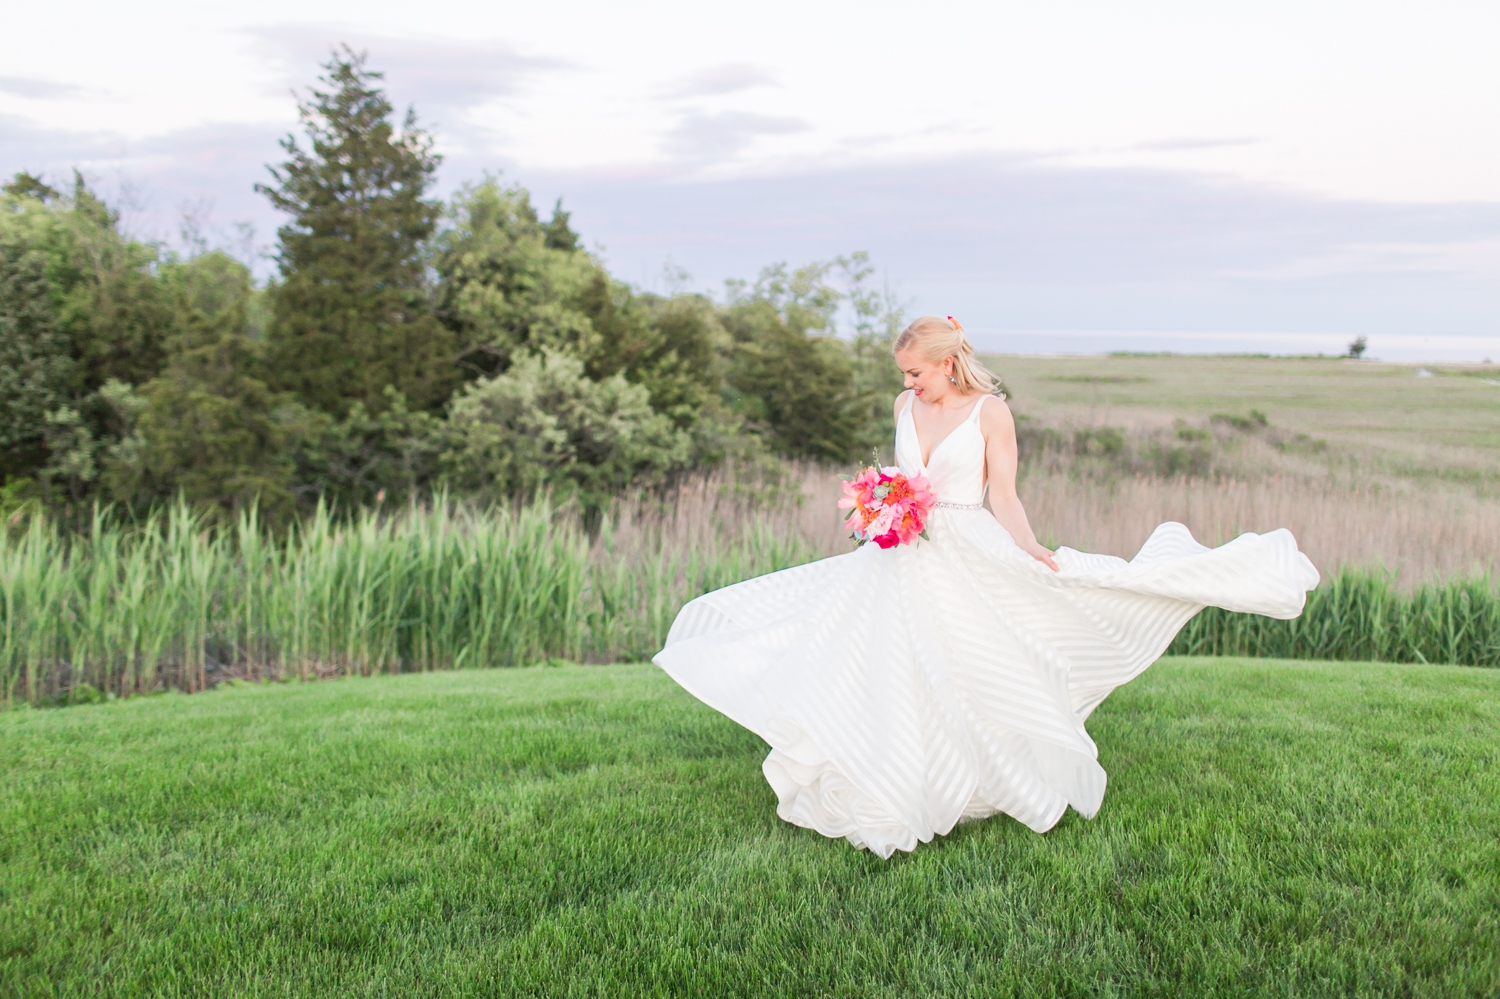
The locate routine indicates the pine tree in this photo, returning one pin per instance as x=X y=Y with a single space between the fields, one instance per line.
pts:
x=351 y=312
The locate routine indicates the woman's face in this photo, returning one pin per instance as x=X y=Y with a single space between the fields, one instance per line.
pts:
x=928 y=379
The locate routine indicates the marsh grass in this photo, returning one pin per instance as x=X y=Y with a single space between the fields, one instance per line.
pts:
x=1415 y=535
x=124 y=609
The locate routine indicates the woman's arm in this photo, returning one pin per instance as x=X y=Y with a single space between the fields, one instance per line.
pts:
x=1000 y=458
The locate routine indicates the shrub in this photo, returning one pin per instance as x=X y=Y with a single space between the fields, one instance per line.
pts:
x=545 y=423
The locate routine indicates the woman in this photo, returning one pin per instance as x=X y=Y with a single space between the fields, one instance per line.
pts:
x=903 y=690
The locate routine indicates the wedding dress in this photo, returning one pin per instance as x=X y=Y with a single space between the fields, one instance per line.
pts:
x=904 y=690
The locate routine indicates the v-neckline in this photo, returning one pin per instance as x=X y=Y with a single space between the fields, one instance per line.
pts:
x=927 y=461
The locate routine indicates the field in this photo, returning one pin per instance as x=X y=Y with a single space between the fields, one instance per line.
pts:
x=1367 y=463
x=1384 y=416
x=1272 y=828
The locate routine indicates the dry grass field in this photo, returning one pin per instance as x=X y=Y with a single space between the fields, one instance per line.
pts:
x=1377 y=418
x=1366 y=462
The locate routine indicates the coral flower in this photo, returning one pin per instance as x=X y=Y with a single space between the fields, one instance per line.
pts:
x=886 y=506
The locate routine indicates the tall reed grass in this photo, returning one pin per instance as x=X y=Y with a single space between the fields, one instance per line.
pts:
x=172 y=603
x=1359 y=614
x=125 y=608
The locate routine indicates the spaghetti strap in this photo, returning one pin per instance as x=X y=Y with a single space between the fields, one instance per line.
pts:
x=906 y=409
x=973 y=416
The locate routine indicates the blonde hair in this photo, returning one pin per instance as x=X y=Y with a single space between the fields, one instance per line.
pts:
x=934 y=338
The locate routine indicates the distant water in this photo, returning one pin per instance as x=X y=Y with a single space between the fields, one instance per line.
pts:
x=1383 y=347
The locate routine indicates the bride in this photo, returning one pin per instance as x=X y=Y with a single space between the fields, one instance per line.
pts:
x=904 y=690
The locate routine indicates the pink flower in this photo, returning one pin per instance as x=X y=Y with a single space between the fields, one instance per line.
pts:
x=886 y=506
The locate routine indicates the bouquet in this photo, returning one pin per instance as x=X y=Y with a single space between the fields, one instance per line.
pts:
x=887 y=507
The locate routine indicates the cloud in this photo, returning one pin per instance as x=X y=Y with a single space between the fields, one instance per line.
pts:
x=27 y=146
x=1190 y=144
x=726 y=79
x=722 y=134
x=1010 y=242
x=1005 y=241
x=210 y=169
x=46 y=90
x=442 y=79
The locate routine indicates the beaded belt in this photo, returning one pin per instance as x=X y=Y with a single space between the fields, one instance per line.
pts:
x=959 y=506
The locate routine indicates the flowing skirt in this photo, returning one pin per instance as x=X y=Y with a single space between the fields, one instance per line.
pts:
x=903 y=690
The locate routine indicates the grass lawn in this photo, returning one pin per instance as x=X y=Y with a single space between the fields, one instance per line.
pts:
x=1272 y=828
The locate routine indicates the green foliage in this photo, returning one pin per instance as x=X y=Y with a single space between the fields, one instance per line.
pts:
x=352 y=312
x=1271 y=829
x=208 y=429
x=546 y=423
x=367 y=458
x=795 y=386
x=118 y=316
x=79 y=307
x=682 y=363
x=1244 y=424
x=37 y=367
x=1359 y=614
x=1106 y=442
x=24 y=185
x=72 y=452
x=135 y=377
x=426 y=587
x=507 y=285
x=512 y=285
x=811 y=393
x=130 y=610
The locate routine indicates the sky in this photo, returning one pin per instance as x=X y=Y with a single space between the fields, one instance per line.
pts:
x=1072 y=176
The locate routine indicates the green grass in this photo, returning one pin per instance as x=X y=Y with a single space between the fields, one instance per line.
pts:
x=1272 y=828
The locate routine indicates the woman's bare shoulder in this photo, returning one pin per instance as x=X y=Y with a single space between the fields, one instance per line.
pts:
x=994 y=414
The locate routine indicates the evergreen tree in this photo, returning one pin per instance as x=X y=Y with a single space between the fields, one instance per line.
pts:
x=351 y=312
x=560 y=235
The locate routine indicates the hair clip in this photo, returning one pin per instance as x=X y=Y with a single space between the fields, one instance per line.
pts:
x=957 y=325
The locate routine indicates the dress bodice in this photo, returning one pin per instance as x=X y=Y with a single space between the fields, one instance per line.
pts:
x=955 y=468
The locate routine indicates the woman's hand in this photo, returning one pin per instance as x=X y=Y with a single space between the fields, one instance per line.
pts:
x=1042 y=555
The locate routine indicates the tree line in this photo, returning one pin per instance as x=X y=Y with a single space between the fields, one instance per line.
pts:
x=404 y=345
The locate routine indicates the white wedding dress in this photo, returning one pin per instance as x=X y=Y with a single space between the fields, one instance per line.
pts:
x=903 y=690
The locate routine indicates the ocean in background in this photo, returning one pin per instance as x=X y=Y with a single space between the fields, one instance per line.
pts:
x=1385 y=347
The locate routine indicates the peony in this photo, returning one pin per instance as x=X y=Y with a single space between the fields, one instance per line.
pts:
x=886 y=506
